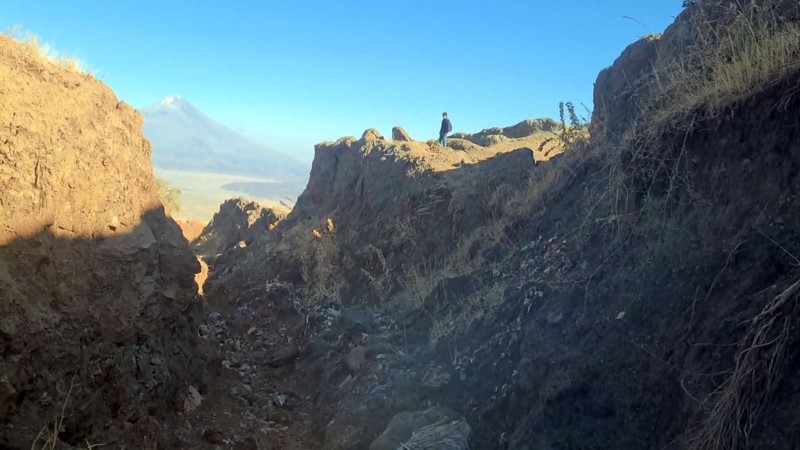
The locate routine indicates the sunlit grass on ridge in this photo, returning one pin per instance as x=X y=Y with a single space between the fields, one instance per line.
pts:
x=45 y=51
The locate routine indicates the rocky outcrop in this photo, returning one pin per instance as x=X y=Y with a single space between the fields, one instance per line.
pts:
x=399 y=134
x=617 y=87
x=97 y=298
x=492 y=136
x=237 y=221
x=371 y=135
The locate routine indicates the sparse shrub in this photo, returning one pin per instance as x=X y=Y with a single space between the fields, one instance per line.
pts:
x=573 y=135
x=381 y=281
x=418 y=282
x=319 y=260
x=405 y=232
x=442 y=327
x=481 y=304
x=170 y=194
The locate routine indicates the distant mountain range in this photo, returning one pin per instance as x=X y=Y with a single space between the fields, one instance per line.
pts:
x=183 y=138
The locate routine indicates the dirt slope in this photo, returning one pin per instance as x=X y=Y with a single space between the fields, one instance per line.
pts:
x=97 y=299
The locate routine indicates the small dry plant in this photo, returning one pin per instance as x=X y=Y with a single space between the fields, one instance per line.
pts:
x=319 y=261
x=381 y=281
x=573 y=132
x=47 y=438
x=418 y=282
x=738 y=404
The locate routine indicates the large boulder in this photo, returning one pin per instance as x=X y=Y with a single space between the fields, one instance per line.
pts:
x=371 y=135
x=433 y=428
x=399 y=134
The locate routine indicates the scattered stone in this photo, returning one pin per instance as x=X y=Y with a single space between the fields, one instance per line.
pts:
x=280 y=400
x=380 y=390
x=435 y=377
x=399 y=134
x=358 y=321
x=446 y=436
x=247 y=444
x=284 y=356
x=203 y=330
x=215 y=319
x=356 y=358
x=192 y=401
x=213 y=436
x=554 y=317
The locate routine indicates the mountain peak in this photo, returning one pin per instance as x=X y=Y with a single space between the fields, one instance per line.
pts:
x=172 y=100
x=185 y=138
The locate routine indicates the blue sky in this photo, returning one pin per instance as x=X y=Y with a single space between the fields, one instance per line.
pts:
x=293 y=73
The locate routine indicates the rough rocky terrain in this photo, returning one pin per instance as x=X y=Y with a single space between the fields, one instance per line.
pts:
x=638 y=291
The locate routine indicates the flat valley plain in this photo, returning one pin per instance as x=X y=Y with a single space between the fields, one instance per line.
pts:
x=203 y=192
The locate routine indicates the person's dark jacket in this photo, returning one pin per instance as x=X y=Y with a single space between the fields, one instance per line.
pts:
x=446 y=127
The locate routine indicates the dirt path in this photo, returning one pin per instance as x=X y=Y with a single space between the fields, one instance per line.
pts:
x=244 y=405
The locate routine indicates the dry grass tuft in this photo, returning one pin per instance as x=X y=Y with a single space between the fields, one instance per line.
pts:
x=46 y=52
x=740 y=401
x=47 y=438
x=320 y=258
x=474 y=308
x=418 y=282
x=381 y=281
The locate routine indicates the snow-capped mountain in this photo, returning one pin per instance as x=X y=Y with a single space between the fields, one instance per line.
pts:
x=183 y=138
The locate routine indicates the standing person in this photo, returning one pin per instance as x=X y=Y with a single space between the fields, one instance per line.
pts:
x=446 y=128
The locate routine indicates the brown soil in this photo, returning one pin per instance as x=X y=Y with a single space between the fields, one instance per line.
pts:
x=96 y=295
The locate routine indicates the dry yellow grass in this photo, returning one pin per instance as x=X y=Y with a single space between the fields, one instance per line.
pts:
x=46 y=52
x=752 y=53
x=320 y=258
